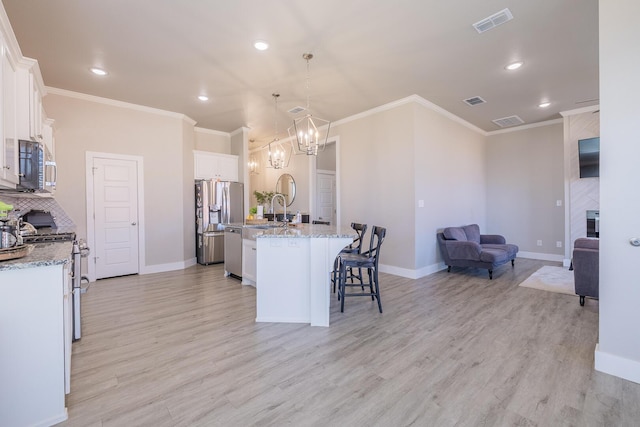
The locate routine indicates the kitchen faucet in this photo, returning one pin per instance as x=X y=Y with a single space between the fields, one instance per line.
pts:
x=284 y=204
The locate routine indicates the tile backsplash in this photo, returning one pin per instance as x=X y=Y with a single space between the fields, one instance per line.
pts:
x=23 y=205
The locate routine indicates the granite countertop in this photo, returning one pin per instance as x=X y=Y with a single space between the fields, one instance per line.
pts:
x=308 y=231
x=43 y=254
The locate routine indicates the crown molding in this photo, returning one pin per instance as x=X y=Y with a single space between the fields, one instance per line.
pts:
x=525 y=127
x=212 y=132
x=408 y=100
x=240 y=130
x=589 y=109
x=114 y=103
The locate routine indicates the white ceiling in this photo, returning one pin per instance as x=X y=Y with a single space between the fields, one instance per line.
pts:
x=163 y=53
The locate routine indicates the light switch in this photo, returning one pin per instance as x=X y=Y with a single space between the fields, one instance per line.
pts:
x=421 y=203
x=558 y=202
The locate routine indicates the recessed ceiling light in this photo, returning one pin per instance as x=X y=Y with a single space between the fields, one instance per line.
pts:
x=544 y=104
x=261 y=45
x=203 y=97
x=98 y=71
x=514 y=66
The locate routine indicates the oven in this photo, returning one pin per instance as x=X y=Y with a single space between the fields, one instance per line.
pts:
x=80 y=250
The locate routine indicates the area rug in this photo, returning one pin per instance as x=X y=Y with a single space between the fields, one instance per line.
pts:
x=552 y=279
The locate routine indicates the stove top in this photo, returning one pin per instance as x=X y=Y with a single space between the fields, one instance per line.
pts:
x=49 y=237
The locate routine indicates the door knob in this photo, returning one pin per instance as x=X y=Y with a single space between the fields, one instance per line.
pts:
x=133 y=223
x=635 y=241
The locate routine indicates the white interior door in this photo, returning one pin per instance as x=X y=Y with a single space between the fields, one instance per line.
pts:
x=115 y=192
x=325 y=196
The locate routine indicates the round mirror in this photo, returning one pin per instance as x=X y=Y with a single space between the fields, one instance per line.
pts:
x=287 y=187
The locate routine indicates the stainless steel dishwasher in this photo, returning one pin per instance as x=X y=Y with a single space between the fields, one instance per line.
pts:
x=233 y=251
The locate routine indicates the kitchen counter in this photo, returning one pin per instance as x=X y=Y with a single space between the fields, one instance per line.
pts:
x=36 y=328
x=294 y=272
x=43 y=254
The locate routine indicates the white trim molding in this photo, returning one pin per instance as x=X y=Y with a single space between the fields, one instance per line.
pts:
x=618 y=366
x=119 y=104
x=541 y=256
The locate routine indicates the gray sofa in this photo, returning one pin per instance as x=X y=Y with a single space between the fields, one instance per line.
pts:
x=586 y=269
x=466 y=247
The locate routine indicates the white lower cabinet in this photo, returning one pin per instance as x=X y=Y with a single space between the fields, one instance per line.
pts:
x=36 y=345
x=249 y=260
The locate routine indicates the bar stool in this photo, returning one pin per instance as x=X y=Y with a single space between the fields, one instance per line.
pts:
x=354 y=248
x=368 y=260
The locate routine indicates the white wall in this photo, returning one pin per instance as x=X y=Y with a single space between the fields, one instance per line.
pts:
x=377 y=179
x=525 y=179
x=162 y=141
x=211 y=140
x=618 y=352
x=449 y=168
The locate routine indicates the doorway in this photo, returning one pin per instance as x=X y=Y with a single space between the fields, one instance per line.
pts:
x=114 y=213
x=325 y=183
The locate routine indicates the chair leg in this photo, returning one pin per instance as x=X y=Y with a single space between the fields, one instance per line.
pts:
x=448 y=269
x=378 y=290
x=334 y=274
x=343 y=281
x=370 y=284
x=513 y=262
x=582 y=300
x=490 y=274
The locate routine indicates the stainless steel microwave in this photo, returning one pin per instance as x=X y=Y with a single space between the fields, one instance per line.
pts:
x=38 y=172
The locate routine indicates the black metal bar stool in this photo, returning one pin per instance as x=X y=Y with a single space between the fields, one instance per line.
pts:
x=368 y=260
x=354 y=247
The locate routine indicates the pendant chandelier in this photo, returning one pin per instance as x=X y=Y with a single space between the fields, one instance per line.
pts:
x=311 y=133
x=279 y=153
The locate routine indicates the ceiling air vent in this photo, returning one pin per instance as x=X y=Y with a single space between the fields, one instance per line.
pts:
x=296 y=110
x=493 y=21
x=474 y=101
x=506 y=122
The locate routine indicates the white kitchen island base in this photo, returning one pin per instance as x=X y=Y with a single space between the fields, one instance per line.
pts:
x=294 y=273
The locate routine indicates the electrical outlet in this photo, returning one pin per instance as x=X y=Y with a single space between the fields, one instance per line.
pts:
x=558 y=202
x=539 y=243
x=558 y=244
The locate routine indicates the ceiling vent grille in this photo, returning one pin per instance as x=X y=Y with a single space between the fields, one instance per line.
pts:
x=474 y=101
x=506 y=122
x=296 y=110
x=493 y=21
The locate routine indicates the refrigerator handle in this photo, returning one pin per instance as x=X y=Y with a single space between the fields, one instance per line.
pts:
x=225 y=205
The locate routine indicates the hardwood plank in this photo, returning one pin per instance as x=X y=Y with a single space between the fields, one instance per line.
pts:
x=182 y=348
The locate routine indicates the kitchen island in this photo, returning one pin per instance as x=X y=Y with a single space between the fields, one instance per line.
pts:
x=35 y=326
x=294 y=272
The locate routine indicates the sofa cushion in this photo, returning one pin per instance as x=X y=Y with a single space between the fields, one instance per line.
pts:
x=494 y=256
x=454 y=233
x=473 y=232
x=586 y=243
x=509 y=248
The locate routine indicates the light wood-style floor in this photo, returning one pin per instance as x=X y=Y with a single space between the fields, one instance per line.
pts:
x=182 y=349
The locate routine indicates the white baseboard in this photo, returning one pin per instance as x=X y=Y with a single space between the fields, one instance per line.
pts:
x=618 y=366
x=541 y=256
x=161 y=268
x=412 y=274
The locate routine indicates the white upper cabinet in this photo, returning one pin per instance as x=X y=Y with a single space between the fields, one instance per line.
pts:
x=9 y=141
x=223 y=167
x=29 y=105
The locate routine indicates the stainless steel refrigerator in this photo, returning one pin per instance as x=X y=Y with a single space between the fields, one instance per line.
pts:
x=217 y=203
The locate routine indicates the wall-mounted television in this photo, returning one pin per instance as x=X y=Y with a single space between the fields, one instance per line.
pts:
x=589 y=157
